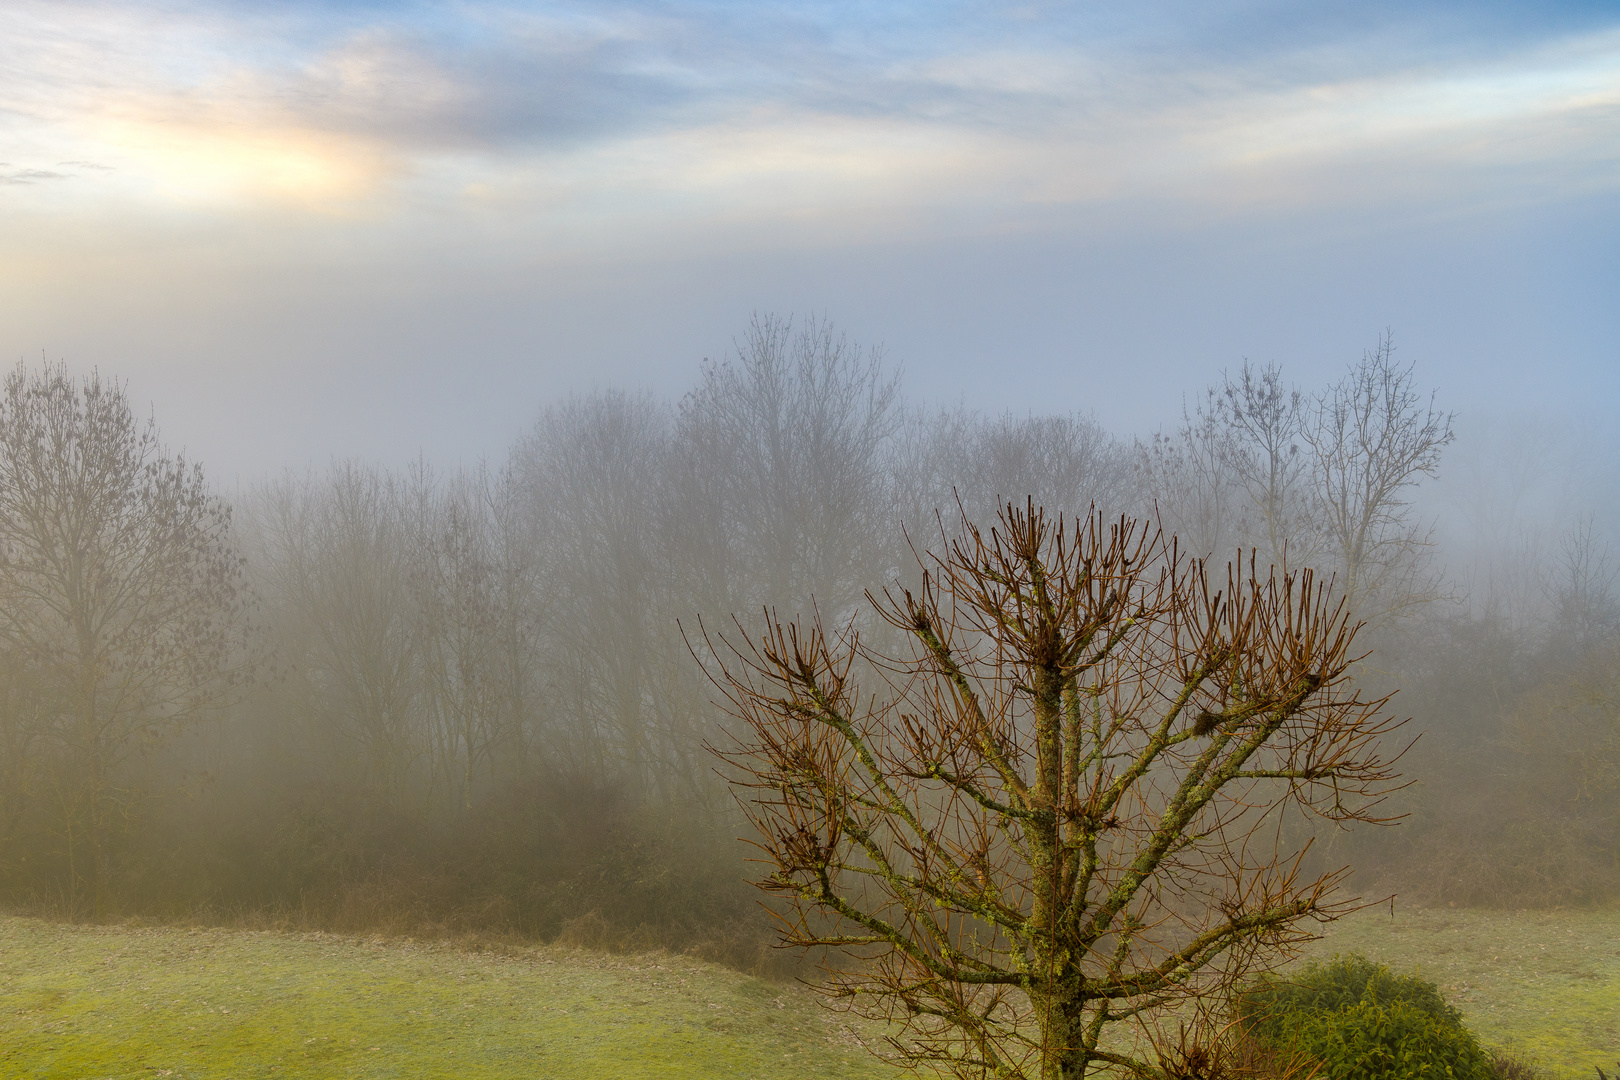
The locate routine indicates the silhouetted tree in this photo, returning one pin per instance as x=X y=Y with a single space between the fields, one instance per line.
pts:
x=1324 y=479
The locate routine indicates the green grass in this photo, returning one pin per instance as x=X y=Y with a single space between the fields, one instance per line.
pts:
x=88 y=1003
x=81 y=1003
x=1547 y=983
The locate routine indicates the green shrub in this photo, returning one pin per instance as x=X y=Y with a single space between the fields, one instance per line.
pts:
x=1363 y=1022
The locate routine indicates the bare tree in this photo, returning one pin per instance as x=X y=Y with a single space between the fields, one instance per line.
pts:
x=27 y=721
x=796 y=424
x=120 y=588
x=334 y=561
x=590 y=474
x=1264 y=422
x=1066 y=462
x=1187 y=474
x=463 y=636
x=1375 y=436
x=1585 y=610
x=1322 y=479
x=1058 y=810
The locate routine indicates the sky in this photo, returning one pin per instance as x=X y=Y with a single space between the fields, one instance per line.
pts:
x=303 y=231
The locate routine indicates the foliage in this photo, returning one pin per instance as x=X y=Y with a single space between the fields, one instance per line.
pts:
x=1373 y=1040
x=1329 y=987
x=1363 y=1022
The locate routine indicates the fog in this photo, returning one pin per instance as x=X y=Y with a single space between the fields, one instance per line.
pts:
x=407 y=396
x=466 y=696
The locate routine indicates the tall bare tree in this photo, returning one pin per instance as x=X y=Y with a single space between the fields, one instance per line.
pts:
x=1058 y=809
x=27 y=722
x=1264 y=422
x=334 y=559
x=1321 y=479
x=797 y=424
x=1066 y=462
x=590 y=476
x=1374 y=438
x=1586 y=611
x=464 y=636
x=120 y=589
x=1188 y=475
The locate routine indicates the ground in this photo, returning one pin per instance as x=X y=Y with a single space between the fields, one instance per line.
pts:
x=79 y=1003
x=95 y=1003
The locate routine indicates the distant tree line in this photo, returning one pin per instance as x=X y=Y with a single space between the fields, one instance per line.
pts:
x=467 y=698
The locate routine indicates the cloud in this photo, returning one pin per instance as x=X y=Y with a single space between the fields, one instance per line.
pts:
x=9 y=175
x=300 y=209
x=547 y=87
x=645 y=121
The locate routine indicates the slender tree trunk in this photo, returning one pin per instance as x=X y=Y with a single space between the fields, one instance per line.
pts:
x=99 y=856
x=1057 y=1006
x=95 y=812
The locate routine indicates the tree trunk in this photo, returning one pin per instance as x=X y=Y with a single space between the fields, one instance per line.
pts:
x=98 y=814
x=1061 y=1015
x=1059 y=1009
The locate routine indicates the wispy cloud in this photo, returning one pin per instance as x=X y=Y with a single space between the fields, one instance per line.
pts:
x=9 y=175
x=635 y=116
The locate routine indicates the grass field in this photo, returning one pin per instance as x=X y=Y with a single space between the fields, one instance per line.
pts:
x=86 y=1003
x=90 y=1003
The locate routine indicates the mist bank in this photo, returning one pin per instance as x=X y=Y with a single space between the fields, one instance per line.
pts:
x=469 y=699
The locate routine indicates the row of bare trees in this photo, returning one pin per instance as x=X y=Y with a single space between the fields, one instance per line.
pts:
x=400 y=611
x=425 y=643
x=1324 y=479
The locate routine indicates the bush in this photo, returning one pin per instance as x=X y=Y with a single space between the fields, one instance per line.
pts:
x=1363 y=1022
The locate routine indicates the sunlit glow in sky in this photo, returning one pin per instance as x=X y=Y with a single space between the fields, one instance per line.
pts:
x=305 y=230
